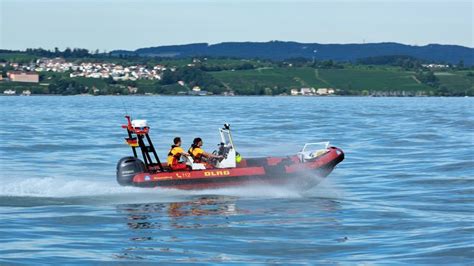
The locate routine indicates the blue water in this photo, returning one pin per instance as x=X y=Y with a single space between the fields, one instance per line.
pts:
x=404 y=193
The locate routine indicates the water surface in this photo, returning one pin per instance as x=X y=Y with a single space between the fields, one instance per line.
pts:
x=404 y=193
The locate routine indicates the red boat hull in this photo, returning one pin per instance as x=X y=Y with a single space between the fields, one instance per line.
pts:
x=254 y=170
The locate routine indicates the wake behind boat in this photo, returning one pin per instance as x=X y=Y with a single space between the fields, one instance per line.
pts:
x=314 y=160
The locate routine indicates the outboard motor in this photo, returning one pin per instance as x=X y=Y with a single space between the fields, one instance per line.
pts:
x=127 y=168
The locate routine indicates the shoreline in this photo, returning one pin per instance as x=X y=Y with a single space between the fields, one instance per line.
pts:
x=239 y=96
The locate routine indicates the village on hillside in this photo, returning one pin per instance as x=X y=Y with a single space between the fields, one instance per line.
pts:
x=30 y=73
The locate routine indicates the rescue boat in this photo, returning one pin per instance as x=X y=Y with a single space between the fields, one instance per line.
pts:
x=313 y=162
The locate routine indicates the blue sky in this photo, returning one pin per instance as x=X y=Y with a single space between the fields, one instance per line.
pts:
x=120 y=24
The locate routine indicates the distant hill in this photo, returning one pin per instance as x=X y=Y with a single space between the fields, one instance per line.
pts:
x=278 y=50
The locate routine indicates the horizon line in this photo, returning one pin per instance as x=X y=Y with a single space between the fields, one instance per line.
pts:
x=222 y=42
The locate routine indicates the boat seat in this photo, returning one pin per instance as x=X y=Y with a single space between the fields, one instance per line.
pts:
x=194 y=166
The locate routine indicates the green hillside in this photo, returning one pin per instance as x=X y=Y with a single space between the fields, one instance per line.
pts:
x=371 y=79
x=380 y=76
x=17 y=57
x=351 y=79
x=458 y=82
x=270 y=77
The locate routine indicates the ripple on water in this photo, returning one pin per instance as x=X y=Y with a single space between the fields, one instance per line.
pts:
x=403 y=195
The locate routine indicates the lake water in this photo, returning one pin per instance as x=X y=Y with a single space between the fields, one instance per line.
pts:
x=404 y=193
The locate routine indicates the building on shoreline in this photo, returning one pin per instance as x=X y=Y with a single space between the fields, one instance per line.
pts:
x=312 y=91
x=325 y=91
x=9 y=92
x=21 y=76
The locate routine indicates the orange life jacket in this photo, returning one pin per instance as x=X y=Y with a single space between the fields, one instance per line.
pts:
x=174 y=154
x=196 y=153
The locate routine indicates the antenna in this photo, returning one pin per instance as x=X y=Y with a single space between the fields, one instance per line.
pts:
x=123 y=105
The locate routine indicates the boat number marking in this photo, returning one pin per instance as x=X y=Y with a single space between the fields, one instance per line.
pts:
x=186 y=175
x=183 y=175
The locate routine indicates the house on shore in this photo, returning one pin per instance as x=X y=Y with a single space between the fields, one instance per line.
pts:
x=325 y=91
x=21 y=76
x=9 y=92
x=303 y=91
x=312 y=91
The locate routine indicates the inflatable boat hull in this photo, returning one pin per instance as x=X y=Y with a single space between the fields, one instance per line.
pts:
x=255 y=170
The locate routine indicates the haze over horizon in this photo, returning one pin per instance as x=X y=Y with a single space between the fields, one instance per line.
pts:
x=110 y=25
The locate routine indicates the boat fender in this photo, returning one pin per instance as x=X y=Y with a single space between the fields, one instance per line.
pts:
x=238 y=157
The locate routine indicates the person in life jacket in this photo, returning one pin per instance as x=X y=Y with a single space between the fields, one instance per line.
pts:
x=175 y=154
x=198 y=154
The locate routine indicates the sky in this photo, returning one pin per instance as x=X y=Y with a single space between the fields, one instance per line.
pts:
x=125 y=24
